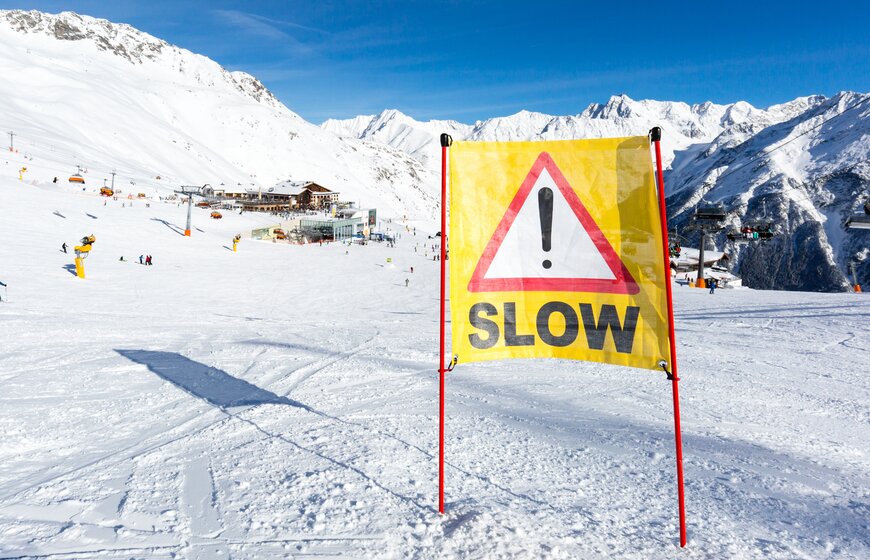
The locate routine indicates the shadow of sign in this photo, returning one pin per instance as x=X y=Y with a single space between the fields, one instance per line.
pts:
x=224 y=391
x=211 y=384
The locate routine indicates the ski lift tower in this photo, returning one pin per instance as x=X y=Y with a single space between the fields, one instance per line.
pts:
x=708 y=218
x=190 y=192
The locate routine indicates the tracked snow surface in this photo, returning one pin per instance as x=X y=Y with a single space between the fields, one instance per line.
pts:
x=281 y=402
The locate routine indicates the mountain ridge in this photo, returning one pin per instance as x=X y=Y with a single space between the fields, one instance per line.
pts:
x=712 y=152
x=102 y=95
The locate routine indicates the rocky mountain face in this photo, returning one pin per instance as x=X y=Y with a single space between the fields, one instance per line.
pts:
x=89 y=92
x=801 y=166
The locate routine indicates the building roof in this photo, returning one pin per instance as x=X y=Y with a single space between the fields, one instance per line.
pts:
x=292 y=188
x=235 y=189
x=295 y=188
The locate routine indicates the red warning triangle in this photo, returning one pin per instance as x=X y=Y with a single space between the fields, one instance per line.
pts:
x=584 y=262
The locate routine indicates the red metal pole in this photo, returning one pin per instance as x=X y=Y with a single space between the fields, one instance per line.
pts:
x=656 y=136
x=446 y=140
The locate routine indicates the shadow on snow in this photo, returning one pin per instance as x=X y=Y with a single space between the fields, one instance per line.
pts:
x=205 y=382
x=171 y=226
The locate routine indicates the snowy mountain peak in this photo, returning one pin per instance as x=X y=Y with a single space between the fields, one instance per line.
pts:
x=616 y=106
x=118 y=38
x=133 y=46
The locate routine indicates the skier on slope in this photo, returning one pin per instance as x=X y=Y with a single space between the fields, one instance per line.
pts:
x=63 y=247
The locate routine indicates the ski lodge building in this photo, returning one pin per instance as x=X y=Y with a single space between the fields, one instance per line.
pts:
x=283 y=197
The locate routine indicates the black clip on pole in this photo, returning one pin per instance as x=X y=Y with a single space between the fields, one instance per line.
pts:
x=664 y=365
x=453 y=363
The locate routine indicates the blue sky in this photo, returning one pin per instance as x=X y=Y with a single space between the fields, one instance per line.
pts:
x=473 y=60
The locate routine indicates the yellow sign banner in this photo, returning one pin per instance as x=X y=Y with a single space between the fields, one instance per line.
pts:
x=556 y=251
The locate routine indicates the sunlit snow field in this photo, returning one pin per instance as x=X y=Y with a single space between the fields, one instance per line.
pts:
x=281 y=401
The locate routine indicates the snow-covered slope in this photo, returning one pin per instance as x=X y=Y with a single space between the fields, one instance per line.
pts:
x=83 y=91
x=718 y=152
x=281 y=402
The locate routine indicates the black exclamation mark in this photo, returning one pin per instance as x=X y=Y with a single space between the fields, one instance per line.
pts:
x=545 y=211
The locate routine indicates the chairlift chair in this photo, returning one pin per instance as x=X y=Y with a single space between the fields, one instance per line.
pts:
x=752 y=231
x=858 y=221
x=710 y=211
x=737 y=235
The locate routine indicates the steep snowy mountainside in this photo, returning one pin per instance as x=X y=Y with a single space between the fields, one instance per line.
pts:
x=131 y=44
x=805 y=175
x=106 y=96
x=393 y=128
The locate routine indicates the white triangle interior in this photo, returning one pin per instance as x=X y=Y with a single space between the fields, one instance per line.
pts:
x=572 y=253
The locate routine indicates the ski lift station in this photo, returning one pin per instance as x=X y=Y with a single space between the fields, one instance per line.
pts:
x=345 y=224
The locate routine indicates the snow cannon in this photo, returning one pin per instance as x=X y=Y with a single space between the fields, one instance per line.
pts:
x=236 y=240
x=82 y=252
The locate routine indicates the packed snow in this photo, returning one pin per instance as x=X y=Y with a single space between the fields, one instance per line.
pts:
x=281 y=401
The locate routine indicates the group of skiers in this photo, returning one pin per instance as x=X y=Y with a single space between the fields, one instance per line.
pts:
x=147 y=260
